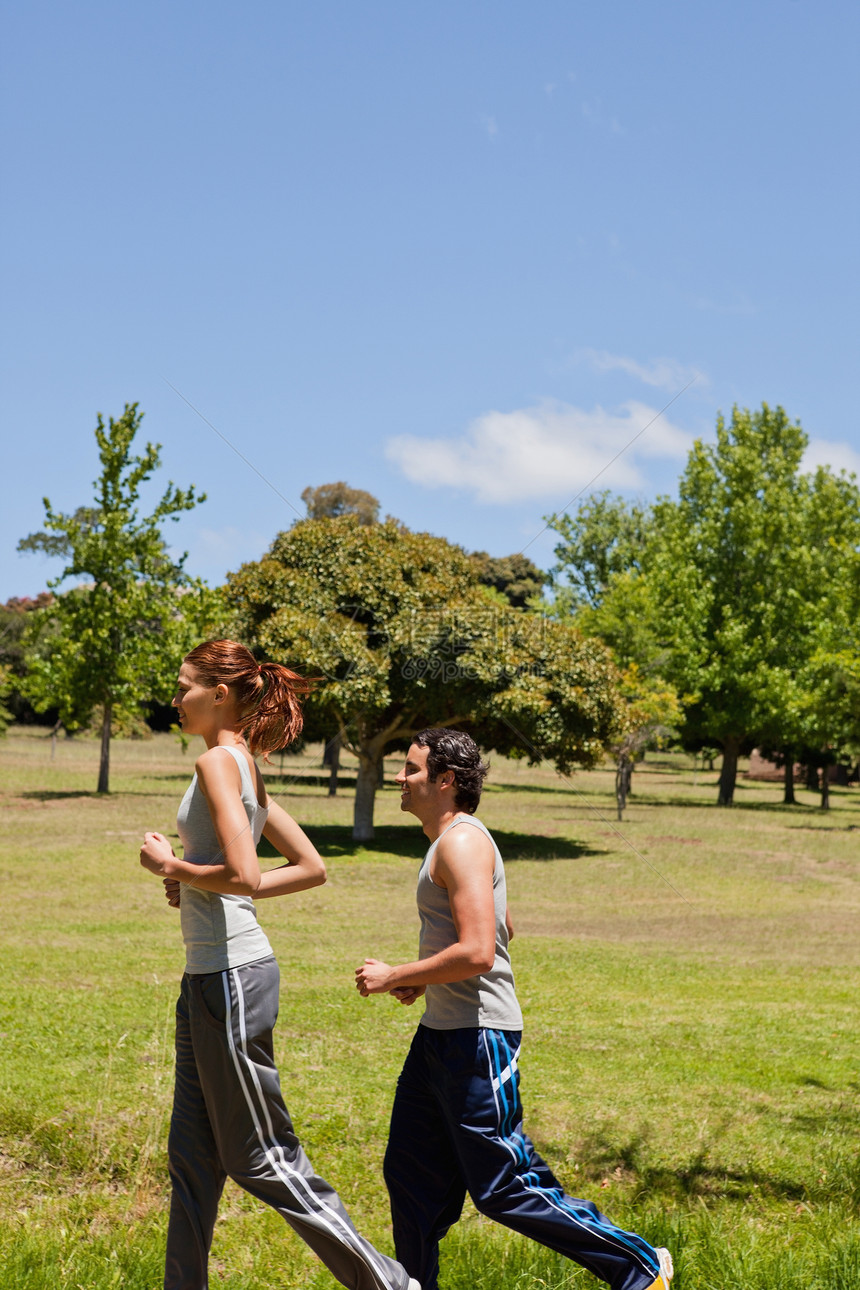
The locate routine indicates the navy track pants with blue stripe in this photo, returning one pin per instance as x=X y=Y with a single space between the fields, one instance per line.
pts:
x=456 y=1126
x=229 y=1119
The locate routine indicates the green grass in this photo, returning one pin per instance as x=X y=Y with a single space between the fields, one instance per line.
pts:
x=688 y=980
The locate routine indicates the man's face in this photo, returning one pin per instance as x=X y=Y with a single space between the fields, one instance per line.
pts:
x=418 y=794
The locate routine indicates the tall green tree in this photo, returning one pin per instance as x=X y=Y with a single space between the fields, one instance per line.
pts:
x=601 y=583
x=599 y=579
x=823 y=725
x=606 y=536
x=112 y=641
x=742 y=568
x=402 y=634
x=741 y=595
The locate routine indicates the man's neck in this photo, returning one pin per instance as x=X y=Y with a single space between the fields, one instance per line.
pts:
x=436 y=827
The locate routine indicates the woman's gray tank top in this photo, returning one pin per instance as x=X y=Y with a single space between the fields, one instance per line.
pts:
x=219 y=931
x=488 y=1000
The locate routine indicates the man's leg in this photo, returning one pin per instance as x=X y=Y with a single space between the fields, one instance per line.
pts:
x=477 y=1076
x=421 y=1171
x=232 y=1029
x=196 y=1171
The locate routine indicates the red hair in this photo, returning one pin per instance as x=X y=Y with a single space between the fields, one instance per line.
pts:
x=268 y=694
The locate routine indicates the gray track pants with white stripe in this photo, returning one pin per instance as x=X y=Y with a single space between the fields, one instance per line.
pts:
x=229 y=1118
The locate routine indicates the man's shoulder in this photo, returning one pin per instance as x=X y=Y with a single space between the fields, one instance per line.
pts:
x=473 y=839
x=475 y=827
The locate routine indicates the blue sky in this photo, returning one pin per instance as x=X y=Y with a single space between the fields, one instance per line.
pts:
x=458 y=254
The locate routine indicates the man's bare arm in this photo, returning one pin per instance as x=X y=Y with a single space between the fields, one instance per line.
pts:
x=464 y=865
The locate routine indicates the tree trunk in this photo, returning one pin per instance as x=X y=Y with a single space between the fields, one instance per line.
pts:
x=104 y=759
x=369 y=758
x=812 y=778
x=729 y=772
x=788 y=798
x=621 y=784
x=825 y=789
x=331 y=758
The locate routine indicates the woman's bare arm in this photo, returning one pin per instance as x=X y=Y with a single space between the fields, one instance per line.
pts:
x=304 y=868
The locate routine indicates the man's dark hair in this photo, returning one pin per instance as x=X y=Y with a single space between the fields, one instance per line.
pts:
x=455 y=750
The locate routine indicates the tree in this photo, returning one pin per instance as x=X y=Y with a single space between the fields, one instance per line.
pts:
x=113 y=641
x=5 y=714
x=741 y=567
x=652 y=716
x=742 y=594
x=830 y=674
x=332 y=500
x=328 y=502
x=832 y=735
x=600 y=580
x=606 y=537
x=515 y=577
x=822 y=727
x=13 y=623
x=402 y=635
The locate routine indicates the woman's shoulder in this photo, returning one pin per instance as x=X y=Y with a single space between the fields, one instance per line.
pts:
x=213 y=767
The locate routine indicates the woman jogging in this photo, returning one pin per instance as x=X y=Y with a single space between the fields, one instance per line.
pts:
x=229 y=1116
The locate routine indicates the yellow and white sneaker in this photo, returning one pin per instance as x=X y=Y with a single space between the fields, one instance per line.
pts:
x=666 y=1270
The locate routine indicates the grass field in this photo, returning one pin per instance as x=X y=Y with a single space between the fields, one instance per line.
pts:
x=689 y=984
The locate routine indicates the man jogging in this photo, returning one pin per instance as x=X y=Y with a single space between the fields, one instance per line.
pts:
x=456 y=1125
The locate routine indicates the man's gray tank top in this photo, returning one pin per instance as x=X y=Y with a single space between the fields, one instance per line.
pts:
x=219 y=931
x=488 y=1000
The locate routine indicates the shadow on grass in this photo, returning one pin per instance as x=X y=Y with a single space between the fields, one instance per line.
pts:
x=567 y=788
x=797 y=810
x=836 y=1174
x=534 y=846
x=49 y=795
x=698 y=1177
x=276 y=778
x=333 y=840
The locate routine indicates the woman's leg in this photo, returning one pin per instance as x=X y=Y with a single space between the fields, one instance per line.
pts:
x=196 y=1171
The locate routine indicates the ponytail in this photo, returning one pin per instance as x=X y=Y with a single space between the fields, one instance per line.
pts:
x=277 y=720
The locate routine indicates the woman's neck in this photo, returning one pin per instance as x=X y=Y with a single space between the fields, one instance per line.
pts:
x=226 y=737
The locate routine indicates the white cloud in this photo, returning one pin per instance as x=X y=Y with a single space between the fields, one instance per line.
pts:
x=662 y=373
x=838 y=456
x=542 y=452
x=490 y=125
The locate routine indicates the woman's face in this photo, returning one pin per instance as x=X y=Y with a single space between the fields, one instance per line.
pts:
x=194 y=701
